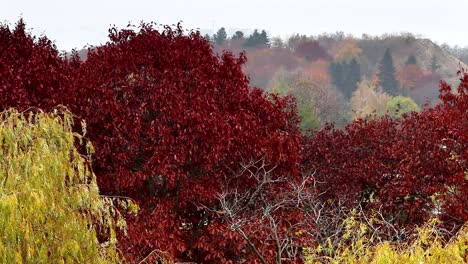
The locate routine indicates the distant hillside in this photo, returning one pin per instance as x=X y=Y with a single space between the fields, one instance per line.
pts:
x=402 y=47
x=299 y=52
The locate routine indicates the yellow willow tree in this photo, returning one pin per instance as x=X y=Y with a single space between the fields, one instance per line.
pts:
x=50 y=207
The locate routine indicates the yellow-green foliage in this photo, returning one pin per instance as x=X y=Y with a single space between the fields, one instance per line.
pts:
x=358 y=245
x=305 y=105
x=400 y=105
x=50 y=207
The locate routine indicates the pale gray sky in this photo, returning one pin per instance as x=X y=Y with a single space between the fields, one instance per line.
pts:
x=77 y=23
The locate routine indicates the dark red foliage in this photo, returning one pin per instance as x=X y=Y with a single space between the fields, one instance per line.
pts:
x=170 y=122
x=31 y=71
x=311 y=50
x=401 y=166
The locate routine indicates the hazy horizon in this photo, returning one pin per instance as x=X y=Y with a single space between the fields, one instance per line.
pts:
x=77 y=24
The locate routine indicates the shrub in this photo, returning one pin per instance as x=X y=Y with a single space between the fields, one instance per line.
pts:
x=359 y=245
x=413 y=168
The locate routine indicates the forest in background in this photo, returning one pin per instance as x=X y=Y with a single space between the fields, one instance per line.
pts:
x=338 y=78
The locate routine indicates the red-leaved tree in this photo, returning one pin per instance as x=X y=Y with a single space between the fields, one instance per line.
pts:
x=410 y=169
x=32 y=73
x=170 y=122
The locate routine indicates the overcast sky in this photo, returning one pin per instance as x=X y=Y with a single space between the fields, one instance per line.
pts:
x=73 y=24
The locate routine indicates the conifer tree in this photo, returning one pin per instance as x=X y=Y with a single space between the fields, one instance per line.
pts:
x=257 y=39
x=346 y=76
x=387 y=74
x=238 y=35
x=220 y=36
x=264 y=39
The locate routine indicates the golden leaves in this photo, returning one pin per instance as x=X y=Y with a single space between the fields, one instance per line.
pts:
x=49 y=197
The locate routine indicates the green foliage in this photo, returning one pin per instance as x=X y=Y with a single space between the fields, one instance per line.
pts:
x=281 y=87
x=50 y=207
x=258 y=40
x=238 y=35
x=386 y=74
x=305 y=105
x=399 y=105
x=346 y=76
x=309 y=118
x=220 y=36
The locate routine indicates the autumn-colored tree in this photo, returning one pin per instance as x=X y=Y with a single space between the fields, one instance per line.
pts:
x=310 y=50
x=50 y=207
x=286 y=84
x=318 y=100
x=408 y=76
x=318 y=70
x=346 y=50
x=21 y=84
x=262 y=64
x=175 y=151
x=170 y=122
x=410 y=169
x=368 y=101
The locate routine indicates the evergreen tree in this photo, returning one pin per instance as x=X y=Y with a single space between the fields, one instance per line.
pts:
x=346 y=76
x=411 y=60
x=207 y=37
x=252 y=40
x=257 y=39
x=238 y=35
x=264 y=39
x=220 y=36
x=353 y=78
x=387 y=74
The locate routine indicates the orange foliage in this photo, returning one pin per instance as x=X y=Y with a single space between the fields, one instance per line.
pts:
x=409 y=75
x=318 y=71
x=346 y=50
